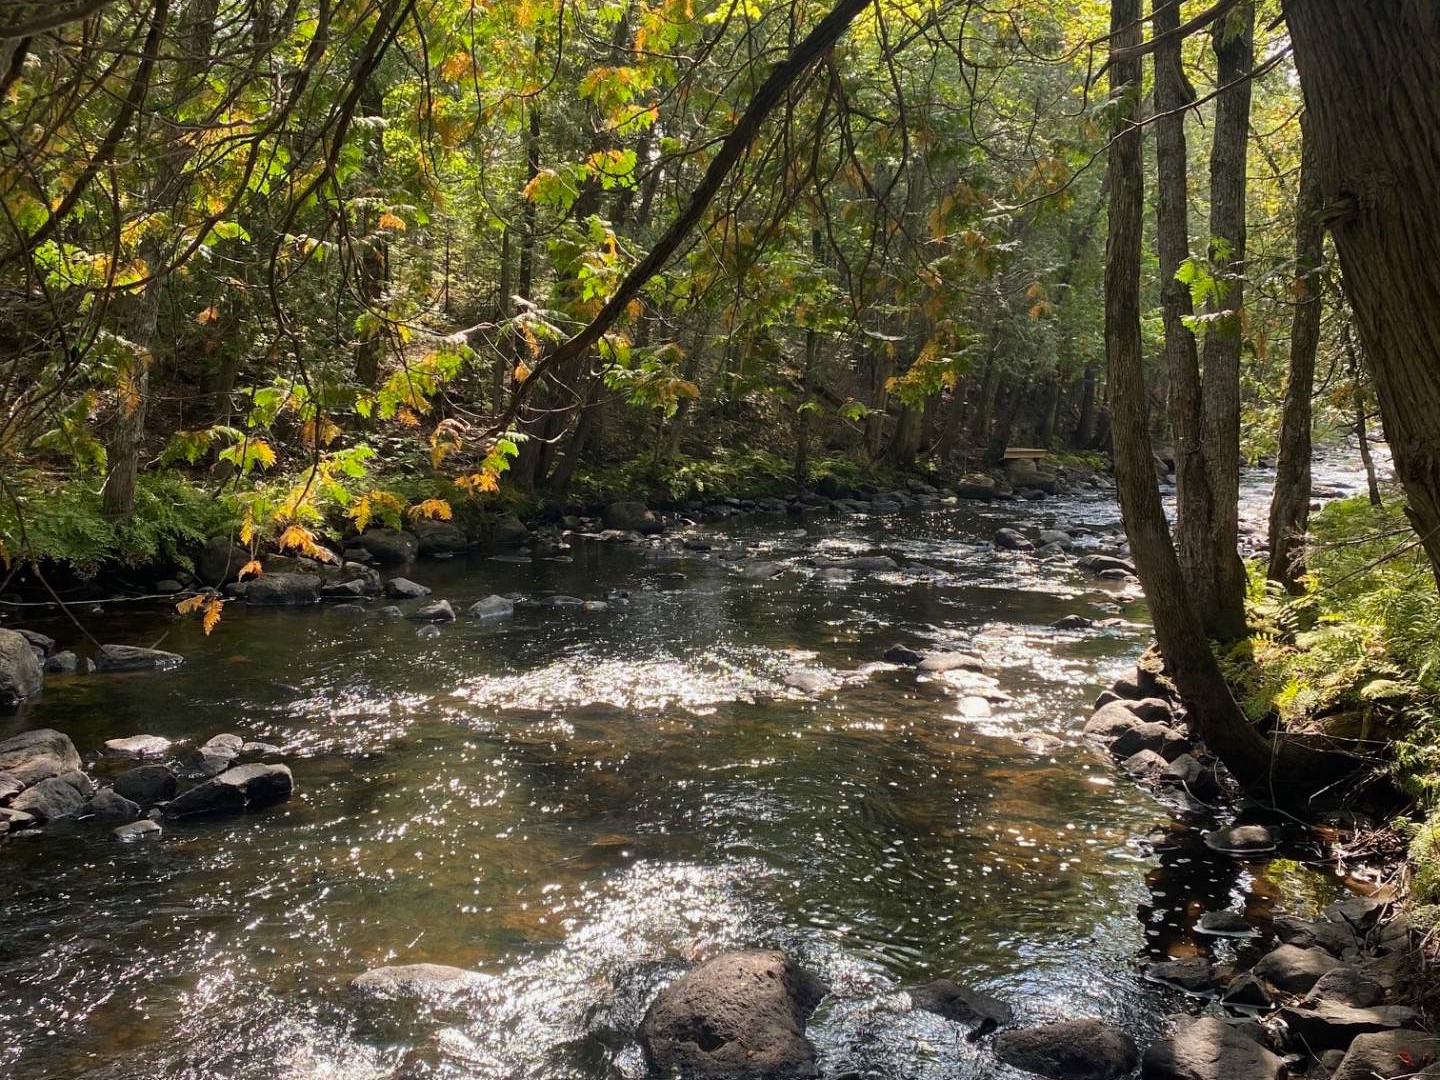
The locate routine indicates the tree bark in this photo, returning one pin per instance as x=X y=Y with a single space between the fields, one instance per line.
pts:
x=1362 y=414
x=1370 y=74
x=1290 y=504
x=808 y=374
x=373 y=264
x=1220 y=598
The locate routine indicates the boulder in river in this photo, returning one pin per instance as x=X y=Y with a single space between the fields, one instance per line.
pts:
x=760 y=571
x=1058 y=537
x=1193 y=974
x=1100 y=564
x=1161 y=738
x=54 y=797
x=37 y=755
x=492 y=607
x=245 y=787
x=1225 y=924
x=388 y=547
x=1110 y=721
x=1072 y=622
x=283 y=590
x=400 y=588
x=137 y=746
x=508 y=531
x=110 y=804
x=436 y=537
x=1207 y=1048
x=741 y=1014
x=1012 y=540
x=435 y=611
x=1330 y=1025
x=1294 y=970
x=21 y=675
x=903 y=654
x=147 y=785
x=1349 y=986
x=941 y=662
x=631 y=516
x=1240 y=840
x=961 y=1004
x=115 y=658
x=144 y=829
x=1069 y=1050
x=63 y=662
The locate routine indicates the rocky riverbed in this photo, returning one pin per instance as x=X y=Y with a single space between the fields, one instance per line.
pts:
x=829 y=769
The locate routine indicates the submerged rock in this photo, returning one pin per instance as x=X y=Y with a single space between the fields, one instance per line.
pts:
x=741 y=1014
x=1012 y=540
x=21 y=675
x=1208 y=1048
x=147 y=785
x=1069 y=1050
x=415 y=983
x=138 y=830
x=1193 y=974
x=961 y=1004
x=1240 y=840
x=903 y=654
x=114 y=658
x=760 y=571
x=400 y=588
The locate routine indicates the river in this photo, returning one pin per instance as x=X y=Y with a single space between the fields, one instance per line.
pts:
x=577 y=804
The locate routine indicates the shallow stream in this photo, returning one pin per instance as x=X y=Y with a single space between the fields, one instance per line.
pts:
x=578 y=804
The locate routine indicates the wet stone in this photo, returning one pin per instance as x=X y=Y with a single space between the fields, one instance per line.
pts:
x=1207 y=1048
x=138 y=830
x=1294 y=970
x=1225 y=924
x=1193 y=974
x=1240 y=840
x=1069 y=1050
x=138 y=746
x=961 y=1004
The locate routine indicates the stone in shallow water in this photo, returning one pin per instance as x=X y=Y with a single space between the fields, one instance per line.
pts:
x=903 y=654
x=415 y=983
x=1246 y=992
x=1225 y=924
x=146 y=785
x=400 y=588
x=1193 y=974
x=1069 y=1050
x=134 y=658
x=245 y=787
x=110 y=804
x=435 y=611
x=941 y=662
x=961 y=1004
x=138 y=830
x=52 y=798
x=1327 y=1025
x=739 y=1014
x=138 y=746
x=492 y=607
x=1240 y=840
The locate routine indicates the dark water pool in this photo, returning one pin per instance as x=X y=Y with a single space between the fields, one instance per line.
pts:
x=578 y=804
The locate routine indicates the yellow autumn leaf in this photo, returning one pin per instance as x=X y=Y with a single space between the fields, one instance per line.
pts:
x=479 y=482
x=211 y=618
x=431 y=508
x=251 y=569
x=407 y=417
x=391 y=221
x=190 y=604
x=522 y=372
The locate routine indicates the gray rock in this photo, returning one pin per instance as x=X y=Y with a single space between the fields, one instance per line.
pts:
x=1240 y=840
x=1152 y=710
x=1012 y=540
x=64 y=662
x=939 y=663
x=399 y=588
x=1360 y=912
x=223 y=745
x=961 y=1004
x=51 y=799
x=343 y=590
x=1072 y=622
x=1207 y=1048
x=15 y=820
x=390 y=611
x=283 y=590
x=435 y=611
x=1225 y=924
x=741 y=1014
x=1330 y=1025
x=435 y=537
x=509 y=531
x=903 y=654
x=388 y=547
x=138 y=830
x=117 y=658
x=1058 y=537
x=1193 y=974
x=110 y=804
x=137 y=746
x=860 y=562
x=1191 y=773
x=1069 y=1050
x=1387 y=1055
x=21 y=675
x=147 y=785
x=220 y=561
x=1161 y=738
x=632 y=516
x=44 y=642
x=1145 y=765
x=1100 y=564
x=429 y=630
x=1039 y=742
x=416 y=984
x=244 y=787
x=1294 y=970
x=1111 y=720
x=349 y=610
x=492 y=607
x=37 y=755
x=760 y=571
x=1348 y=986
x=1246 y=992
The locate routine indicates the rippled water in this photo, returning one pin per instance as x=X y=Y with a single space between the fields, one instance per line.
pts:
x=578 y=804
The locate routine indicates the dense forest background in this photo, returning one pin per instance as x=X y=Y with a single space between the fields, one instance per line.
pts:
x=285 y=262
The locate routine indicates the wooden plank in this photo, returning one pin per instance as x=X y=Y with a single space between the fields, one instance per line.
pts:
x=1017 y=453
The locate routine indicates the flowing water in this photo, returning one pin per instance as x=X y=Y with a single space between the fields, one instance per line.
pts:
x=579 y=804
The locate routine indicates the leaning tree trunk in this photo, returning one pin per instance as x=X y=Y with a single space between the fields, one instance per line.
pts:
x=1221 y=604
x=1362 y=415
x=1284 y=773
x=1370 y=74
x=1290 y=505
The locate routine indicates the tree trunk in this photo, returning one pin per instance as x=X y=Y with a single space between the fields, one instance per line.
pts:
x=1195 y=506
x=1286 y=774
x=374 y=260
x=1290 y=505
x=1371 y=78
x=1084 y=436
x=808 y=374
x=1220 y=600
x=1362 y=413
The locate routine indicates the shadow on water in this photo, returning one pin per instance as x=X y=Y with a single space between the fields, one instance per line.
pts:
x=576 y=804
